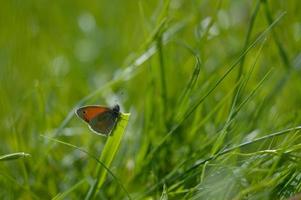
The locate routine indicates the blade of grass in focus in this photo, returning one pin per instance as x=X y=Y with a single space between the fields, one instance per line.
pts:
x=109 y=151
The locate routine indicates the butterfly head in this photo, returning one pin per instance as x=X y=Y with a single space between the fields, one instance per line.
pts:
x=116 y=108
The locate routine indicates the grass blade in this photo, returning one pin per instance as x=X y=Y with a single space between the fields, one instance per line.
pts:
x=110 y=149
x=63 y=195
x=281 y=49
x=164 y=195
x=14 y=156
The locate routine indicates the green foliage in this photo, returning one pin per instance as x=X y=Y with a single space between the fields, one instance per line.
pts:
x=213 y=88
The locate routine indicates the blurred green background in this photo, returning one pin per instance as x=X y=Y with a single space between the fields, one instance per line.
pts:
x=164 y=62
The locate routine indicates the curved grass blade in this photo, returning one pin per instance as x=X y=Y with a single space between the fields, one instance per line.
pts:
x=14 y=156
x=182 y=101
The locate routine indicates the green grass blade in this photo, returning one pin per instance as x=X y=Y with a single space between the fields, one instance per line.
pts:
x=236 y=108
x=162 y=73
x=110 y=149
x=164 y=195
x=220 y=139
x=183 y=98
x=14 y=156
x=281 y=49
x=63 y=195
x=248 y=37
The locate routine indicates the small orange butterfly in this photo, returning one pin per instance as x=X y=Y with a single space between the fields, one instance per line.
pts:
x=101 y=120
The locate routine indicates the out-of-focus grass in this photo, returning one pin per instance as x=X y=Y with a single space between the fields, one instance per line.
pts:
x=213 y=88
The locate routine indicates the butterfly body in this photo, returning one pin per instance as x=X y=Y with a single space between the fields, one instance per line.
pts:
x=101 y=120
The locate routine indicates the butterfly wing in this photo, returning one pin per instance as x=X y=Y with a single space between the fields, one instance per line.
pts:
x=104 y=122
x=87 y=113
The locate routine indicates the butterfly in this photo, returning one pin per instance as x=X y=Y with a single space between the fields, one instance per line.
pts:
x=101 y=120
